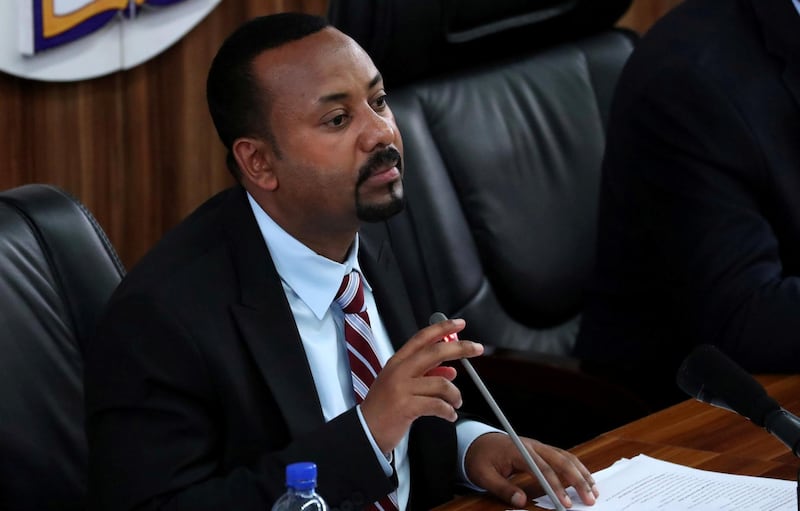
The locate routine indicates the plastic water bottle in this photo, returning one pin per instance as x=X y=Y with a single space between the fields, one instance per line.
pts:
x=301 y=485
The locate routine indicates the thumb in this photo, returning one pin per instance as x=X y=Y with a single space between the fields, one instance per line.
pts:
x=518 y=499
x=511 y=493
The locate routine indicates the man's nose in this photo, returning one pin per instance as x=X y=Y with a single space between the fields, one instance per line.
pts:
x=379 y=132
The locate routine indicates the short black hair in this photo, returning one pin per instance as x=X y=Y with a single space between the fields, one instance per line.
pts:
x=236 y=101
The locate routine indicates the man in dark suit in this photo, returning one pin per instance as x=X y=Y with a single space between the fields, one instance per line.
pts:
x=222 y=357
x=699 y=225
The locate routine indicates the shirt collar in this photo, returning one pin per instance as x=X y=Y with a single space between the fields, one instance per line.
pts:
x=797 y=5
x=314 y=278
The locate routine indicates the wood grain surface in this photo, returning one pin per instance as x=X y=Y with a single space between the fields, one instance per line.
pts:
x=137 y=147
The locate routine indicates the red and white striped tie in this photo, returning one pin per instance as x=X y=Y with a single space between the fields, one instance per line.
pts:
x=364 y=363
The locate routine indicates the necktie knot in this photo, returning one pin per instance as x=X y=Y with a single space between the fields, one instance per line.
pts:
x=350 y=296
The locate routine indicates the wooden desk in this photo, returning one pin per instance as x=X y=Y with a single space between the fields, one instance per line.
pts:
x=690 y=433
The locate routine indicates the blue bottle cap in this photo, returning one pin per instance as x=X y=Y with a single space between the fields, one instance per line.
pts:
x=302 y=475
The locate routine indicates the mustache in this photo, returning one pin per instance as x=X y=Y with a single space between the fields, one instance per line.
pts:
x=378 y=160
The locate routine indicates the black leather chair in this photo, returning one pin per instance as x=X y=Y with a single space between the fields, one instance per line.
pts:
x=502 y=105
x=57 y=269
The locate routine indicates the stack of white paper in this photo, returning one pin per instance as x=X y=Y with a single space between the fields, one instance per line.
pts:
x=644 y=484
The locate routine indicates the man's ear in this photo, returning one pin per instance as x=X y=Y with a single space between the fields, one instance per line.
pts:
x=254 y=157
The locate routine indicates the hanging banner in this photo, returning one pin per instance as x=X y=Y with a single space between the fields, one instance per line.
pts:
x=68 y=40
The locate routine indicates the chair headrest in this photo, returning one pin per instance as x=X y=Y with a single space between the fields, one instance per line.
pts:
x=409 y=39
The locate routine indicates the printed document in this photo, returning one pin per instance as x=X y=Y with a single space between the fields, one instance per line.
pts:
x=643 y=483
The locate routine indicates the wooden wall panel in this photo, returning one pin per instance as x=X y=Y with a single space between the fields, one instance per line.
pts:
x=138 y=147
x=12 y=146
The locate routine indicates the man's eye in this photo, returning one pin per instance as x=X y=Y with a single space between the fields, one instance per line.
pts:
x=339 y=120
x=380 y=103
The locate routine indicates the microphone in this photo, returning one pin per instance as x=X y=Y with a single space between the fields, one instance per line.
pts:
x=438 y=317
x=710 y=376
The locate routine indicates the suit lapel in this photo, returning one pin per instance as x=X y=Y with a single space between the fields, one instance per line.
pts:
x=266 y=322
x=780 y=24
x=431 y=475
x=378 y=262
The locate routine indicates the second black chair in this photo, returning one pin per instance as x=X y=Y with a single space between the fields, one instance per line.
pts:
x=502 y=106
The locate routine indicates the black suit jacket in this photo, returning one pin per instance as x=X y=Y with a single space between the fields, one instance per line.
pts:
x=198 y=391
x=699 y=222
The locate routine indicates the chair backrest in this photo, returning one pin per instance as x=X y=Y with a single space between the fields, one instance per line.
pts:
x=57 y=269
x=502 y=105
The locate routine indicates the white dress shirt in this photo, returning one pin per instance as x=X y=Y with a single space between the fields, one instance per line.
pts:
x=311 y=282
x=797 y=5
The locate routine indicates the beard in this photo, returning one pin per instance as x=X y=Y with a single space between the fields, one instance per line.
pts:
x=384 y=211
x=378 y=212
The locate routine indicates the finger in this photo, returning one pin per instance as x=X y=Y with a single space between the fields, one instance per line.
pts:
x=574 y=473
x=563 y=469
x=588 y=480
x=553 y=480
x=433 y=407
x=498 y=485
x=429 y=335
x=433 y=355
x=438 y=388
x=446 y=372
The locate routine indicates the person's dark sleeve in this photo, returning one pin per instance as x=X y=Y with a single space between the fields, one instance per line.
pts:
x=697 y=179
x=155 y=429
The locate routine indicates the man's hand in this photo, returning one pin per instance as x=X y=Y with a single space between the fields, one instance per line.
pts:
x=492 y=459
x=413 y=384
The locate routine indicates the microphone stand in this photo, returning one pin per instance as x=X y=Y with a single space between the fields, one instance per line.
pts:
x=438 y=317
